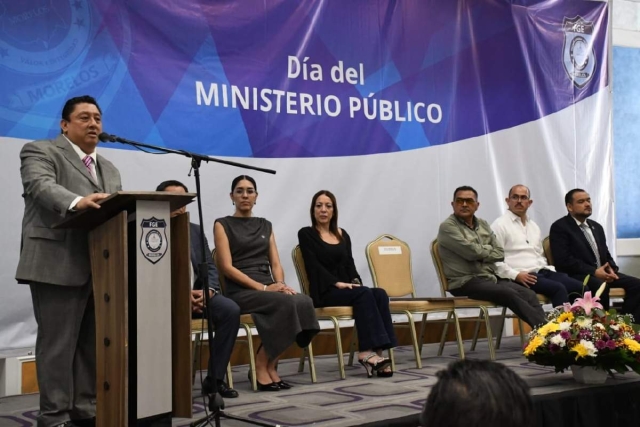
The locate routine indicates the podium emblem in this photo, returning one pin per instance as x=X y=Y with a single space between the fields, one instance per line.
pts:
x=154 y=242
x=578 y=56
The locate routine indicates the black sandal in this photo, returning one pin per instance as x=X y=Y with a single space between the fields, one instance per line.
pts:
x=371 y=367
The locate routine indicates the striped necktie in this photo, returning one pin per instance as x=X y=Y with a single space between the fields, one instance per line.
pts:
x=585 y=230
x=88 y=161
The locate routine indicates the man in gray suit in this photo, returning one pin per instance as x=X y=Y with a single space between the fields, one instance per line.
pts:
x=62 y=176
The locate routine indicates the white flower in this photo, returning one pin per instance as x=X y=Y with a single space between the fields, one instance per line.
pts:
x=584 y=322
x=565 y=326
x=558 y=340
x=615 y=327
x=598 y=326
x=590 y=347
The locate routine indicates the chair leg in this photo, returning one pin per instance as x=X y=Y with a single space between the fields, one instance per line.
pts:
x=477 y=331
x=456 y=322
x=301 y=362
x=499 y=334
x=492 y=352
x=521 y=325
x=252 y=357
x=195 y=351
x=414 y=339
x=312 y=365
x=229 y=375
x=339 y=352
x=423 y=327
x=444 y=332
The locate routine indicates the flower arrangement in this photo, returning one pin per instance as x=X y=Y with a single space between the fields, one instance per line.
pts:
x=583 y=334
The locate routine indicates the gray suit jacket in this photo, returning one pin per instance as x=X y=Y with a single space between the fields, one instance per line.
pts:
x=53 y=176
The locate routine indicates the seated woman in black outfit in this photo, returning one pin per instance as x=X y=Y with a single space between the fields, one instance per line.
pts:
x=334 y=281
x=248 y=259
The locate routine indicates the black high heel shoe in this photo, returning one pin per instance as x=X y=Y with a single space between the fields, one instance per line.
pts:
x=374 y=367
x=284 y=385
x=272 y=386
x=384 y=374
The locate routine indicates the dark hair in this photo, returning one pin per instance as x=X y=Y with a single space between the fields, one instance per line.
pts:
x=171 y=183
x=568 y=198
x=237 y=179
x=70 y=105
x=333 y=222
x=465 y=188
x=520 y=185
x=492 y=393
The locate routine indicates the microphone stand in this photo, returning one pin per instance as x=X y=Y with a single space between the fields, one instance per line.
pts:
x=216 y=403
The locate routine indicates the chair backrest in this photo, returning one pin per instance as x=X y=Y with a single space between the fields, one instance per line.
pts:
x=221 y=277
x=301 y=272
x=437 y=263
x=389 y=260
x=546 y=247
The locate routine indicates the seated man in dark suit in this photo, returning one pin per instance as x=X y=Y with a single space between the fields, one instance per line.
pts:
x=579 y=248
x=223 y=312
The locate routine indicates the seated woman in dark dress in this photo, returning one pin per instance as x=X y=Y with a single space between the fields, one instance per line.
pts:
x=248 y=259
x=334 y=281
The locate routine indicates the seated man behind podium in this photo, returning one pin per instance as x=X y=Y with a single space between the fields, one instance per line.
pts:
x=469 y=251
x=223 y=312
x=60 y=176
x=524 y=260
x=579 y=248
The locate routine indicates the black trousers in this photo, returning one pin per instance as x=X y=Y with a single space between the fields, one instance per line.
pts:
x=522 y=301
x=371 y=314
x=631 y=286
x=225 y=317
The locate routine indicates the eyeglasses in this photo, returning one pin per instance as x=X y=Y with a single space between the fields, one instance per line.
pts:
x=460 y=201
x=517 y=198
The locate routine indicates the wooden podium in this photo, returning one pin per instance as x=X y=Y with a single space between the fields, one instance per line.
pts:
x=140 y=265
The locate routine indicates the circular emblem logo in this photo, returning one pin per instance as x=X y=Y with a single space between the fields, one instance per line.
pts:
x=579 y=52
x=153 y=241
x=43 y=34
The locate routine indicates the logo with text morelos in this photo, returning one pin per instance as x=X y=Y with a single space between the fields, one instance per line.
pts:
x=43 y=36
x=578 y=56
x=153 y=242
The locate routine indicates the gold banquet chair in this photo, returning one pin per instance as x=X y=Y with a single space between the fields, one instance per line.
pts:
x=389 y=260
x=246 y=323
x=468 y=303
x=546 y=247
x=334 y=314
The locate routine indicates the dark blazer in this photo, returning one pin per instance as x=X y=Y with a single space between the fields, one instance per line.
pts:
x=326 y=264
x=53 y=176
x=196 y=258
x=571 y=251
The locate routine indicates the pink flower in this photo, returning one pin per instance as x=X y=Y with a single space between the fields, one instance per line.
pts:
x=587 y=303
x=566 y=306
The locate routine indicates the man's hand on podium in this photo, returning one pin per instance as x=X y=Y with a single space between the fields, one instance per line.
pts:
x=90 y=201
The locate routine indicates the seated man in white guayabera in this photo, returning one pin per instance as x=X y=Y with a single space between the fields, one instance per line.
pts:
x=524 y=260
x=469 y=251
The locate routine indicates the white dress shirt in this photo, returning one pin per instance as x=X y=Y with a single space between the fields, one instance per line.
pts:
x=522 y=246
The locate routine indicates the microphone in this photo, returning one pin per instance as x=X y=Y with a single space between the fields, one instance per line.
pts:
x=105 y=137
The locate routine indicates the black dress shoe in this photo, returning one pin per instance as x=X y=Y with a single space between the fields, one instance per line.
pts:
x=284 y=385
x=268 y=387
x=225 y=391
